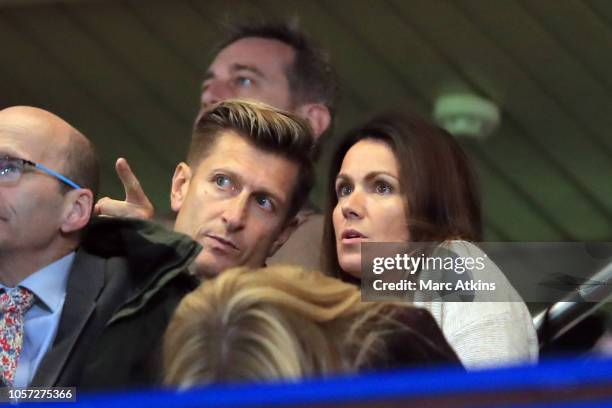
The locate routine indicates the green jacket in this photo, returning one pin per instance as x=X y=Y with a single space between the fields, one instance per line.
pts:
x=126 y=281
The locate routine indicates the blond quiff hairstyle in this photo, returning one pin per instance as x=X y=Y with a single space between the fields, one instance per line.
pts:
x=266 y=128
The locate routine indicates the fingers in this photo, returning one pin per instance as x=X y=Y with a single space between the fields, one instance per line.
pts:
x=136 y=204
x=134 y=194
x=115 y=208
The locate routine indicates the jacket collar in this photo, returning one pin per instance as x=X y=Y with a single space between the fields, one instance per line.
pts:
x=154 y=255
x=145 y=245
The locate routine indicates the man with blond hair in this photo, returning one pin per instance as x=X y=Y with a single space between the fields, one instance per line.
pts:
x=247 y=173
x=274 y=63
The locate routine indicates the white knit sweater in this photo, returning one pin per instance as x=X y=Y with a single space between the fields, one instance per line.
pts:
x=486 y=333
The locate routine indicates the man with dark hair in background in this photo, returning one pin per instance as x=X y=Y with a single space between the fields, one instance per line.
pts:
x=276 y=64
x=58 y=294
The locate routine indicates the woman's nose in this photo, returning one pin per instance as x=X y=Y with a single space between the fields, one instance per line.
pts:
x=354 y=205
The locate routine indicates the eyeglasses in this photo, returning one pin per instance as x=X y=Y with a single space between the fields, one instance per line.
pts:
x=11 y=170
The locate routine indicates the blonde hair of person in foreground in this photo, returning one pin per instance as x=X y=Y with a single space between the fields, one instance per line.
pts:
x=282 y=322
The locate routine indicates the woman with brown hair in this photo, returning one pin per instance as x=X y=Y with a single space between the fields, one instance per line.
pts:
x=285 y=323
x=400 y=179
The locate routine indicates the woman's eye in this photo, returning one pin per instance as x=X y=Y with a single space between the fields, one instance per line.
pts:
x=383 y=188
x=223 y=181
x=343 y=190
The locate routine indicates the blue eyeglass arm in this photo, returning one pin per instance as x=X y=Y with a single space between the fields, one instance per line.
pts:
x=57 y=175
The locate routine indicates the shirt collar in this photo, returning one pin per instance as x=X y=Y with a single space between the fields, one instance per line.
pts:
x=49 y=283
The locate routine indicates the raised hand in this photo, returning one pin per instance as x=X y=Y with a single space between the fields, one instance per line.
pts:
x=136 y=203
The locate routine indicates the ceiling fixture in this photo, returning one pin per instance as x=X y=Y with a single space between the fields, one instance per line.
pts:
x=466 y=115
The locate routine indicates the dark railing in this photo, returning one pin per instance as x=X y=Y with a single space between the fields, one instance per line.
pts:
x=563 y=315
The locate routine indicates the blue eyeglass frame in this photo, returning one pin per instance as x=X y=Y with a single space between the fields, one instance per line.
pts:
x=47 y=170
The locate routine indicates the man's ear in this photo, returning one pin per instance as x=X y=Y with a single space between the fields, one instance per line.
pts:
x=180 y=186
x=78 y=208
x=317 y=115
x=286 y=232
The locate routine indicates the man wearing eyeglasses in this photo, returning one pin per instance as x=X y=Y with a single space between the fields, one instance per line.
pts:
x=57 y=296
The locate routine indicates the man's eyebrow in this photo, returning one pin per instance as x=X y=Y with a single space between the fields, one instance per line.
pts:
x=9 y=152
x=236 y=68
x=249 y=68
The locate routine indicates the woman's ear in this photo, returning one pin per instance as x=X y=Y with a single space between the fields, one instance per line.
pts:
x=180 y=185
x=317 y=115
x=78 y=210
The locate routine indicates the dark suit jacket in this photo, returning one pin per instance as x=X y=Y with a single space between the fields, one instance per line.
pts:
x=126 y=280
